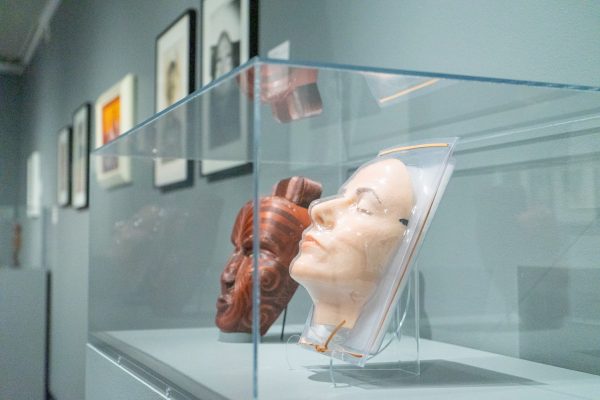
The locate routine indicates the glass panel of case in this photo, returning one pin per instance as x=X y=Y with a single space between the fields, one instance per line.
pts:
x=508 y=268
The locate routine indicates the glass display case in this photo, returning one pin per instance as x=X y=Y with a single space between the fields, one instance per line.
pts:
x=502 y=300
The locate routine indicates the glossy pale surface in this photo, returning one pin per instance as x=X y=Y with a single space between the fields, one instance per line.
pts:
x=346 y=249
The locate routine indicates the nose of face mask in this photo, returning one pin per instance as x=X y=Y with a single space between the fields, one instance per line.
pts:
x=324 y=214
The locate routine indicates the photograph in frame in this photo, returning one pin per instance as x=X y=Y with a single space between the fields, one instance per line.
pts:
x=63 y=173
x=175 y=78
x=229 y=39
x=114 y=116
x=34 y=185
x=80 y=157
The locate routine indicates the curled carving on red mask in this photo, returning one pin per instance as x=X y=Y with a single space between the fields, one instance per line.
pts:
x=283 y=218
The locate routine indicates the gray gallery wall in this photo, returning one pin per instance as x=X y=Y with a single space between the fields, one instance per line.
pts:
x=10 y=97
x=550 y=40
x=92 y=44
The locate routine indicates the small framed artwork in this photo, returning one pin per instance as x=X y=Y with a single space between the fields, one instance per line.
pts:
x=34 y=185
x=229 y=39
x=114 y=116
x=230 y=36
x=80 y=157
x=175 y=78
x=63 y=187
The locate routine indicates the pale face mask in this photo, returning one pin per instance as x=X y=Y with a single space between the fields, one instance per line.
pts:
x=353 y=235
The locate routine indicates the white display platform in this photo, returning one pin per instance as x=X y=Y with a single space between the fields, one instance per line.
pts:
x=107 y=380
x=447 y=371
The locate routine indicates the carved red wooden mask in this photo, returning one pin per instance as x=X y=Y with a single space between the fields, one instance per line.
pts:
x=283 y=218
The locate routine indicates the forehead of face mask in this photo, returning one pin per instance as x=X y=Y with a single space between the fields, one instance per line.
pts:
x=390 y=181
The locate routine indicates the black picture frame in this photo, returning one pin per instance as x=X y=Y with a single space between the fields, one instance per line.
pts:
x=243 y=40
x=80 y=156
x=63 y=170
x=231 y=25
x=175 y=49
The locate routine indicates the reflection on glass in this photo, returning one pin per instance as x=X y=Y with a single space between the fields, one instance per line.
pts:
x=292 y=93
x=150 y=276
x=388 y=89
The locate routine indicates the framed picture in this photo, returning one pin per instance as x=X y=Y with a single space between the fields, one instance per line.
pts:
x=114 y=116
x=80 y=157
x=229 y=39
x=175 y=78
x=34 y=185
x=230 y=36
x=63 y=186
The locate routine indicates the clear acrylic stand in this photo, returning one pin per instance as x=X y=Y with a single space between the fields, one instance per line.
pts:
x=399 y=351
